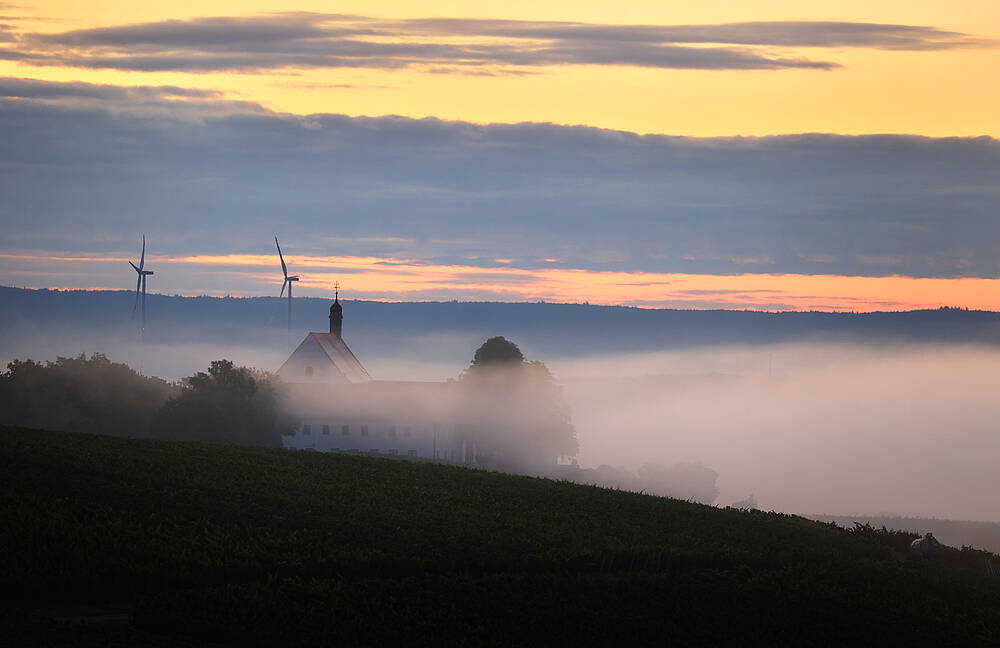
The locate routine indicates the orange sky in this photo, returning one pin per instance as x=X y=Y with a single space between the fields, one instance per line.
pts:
x=401 y=279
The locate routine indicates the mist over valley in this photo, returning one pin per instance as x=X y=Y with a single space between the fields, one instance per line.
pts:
x=840 y=414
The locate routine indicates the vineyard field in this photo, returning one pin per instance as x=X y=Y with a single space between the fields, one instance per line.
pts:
x=221 y=545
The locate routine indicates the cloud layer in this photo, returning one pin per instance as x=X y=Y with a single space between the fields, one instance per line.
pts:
x=88 y=168
x=254 y=44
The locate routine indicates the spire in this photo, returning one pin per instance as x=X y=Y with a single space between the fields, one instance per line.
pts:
x=336 y=313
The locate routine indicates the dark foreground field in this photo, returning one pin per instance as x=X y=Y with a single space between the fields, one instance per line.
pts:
x=162 y=543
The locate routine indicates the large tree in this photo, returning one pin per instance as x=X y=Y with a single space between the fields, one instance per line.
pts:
x=513 y=409
x=496 y=351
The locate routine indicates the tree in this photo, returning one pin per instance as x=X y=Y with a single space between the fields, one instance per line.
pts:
x=496 y=351
x=228 y=404
x=682 y=480
x=514 y=410
x=81 y=394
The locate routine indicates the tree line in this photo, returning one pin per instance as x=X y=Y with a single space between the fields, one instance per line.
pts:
x=226 y=404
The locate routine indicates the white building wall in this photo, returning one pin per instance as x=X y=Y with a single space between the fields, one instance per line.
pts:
x=422 y=440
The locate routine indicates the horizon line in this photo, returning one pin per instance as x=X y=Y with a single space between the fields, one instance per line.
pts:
x=56 y=289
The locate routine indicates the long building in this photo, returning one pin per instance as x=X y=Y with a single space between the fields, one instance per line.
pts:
x=335 y=406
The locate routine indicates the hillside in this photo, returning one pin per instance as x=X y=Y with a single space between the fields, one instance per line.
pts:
x=984 y=535
x=185 y=543
x=71 y=322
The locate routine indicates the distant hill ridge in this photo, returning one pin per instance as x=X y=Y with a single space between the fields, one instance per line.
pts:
x=558 y=328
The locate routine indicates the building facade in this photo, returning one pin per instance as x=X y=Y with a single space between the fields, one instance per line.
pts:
x=334 y=405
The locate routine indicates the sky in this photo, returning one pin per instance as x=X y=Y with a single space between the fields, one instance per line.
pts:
x=770 y=155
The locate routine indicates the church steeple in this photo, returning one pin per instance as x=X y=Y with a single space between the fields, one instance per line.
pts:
x=336 y=313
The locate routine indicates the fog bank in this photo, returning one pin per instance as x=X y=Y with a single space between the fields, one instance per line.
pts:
x=837 y=429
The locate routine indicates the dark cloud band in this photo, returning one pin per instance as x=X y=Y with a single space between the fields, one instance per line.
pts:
x=306 y=40
x=85 y=165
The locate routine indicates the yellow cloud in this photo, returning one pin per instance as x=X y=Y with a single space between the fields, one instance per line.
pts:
x=937 y=93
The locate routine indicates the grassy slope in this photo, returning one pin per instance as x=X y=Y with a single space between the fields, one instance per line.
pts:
x=956 y=533
x=257 y=546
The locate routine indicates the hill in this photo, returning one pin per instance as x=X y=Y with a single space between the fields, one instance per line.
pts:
x=42 y=323
x=985 y=535
x=185 y=543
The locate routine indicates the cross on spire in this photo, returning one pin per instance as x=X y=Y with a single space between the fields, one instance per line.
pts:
x=336 y=312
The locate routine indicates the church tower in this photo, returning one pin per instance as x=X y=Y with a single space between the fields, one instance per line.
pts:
x=324 y=357
x=337 y=316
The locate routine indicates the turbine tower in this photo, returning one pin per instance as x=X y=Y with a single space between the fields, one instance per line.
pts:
x=288 y=282
x=140 y=283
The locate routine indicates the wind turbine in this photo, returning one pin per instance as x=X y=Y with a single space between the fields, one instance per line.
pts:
x=140 y=283
x=288 y=282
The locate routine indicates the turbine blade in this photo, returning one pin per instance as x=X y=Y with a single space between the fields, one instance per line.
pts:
x=138 y=281
x=283 y=284
x=284 y=270
x=142 y=259
x=135 y=266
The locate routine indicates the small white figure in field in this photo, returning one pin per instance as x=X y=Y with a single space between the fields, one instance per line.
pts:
x=923 y=547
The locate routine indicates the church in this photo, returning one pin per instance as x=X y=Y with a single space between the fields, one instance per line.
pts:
x=336 y=406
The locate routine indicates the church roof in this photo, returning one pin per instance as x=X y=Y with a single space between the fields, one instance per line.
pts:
x=323 y=357
x=342 y=357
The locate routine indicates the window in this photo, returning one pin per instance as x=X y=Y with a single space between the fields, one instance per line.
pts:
x=345 y=430
x=392 y=430
x=326 y=428
x=309 y=371
x=406 y=431
x=412 y=453
x=307 y=429
x=364 y=430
